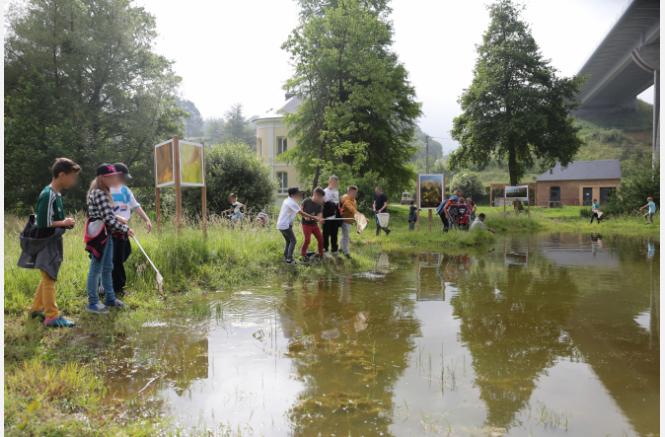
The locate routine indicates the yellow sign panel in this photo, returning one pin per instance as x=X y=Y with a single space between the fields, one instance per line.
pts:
x=164 y=165
x=191 y=164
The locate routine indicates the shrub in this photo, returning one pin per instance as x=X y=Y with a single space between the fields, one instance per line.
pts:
x=233 y=168
x=469 y=184
x=634 y=190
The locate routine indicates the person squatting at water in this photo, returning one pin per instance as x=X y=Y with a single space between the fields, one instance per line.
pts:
x=287 y=213
x=41 y=242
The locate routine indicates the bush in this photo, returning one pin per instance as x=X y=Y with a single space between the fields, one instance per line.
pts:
x=634 y=191
x=233 y=168
x=469 y=184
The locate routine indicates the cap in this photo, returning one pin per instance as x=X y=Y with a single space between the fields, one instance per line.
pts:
x=122 y=168
x=107 y=170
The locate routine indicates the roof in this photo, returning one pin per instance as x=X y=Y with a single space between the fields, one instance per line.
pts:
x=583 y=170
x=289 y=107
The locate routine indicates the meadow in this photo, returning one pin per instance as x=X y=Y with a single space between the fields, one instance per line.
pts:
x=53 y=378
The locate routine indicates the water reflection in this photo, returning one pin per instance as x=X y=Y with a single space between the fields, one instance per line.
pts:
x=554 y=335
x=348 y=356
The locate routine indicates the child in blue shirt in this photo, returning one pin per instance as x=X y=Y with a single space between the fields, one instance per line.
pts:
x=651 y=210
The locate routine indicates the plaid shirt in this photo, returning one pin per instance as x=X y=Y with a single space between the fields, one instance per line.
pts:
x=101 y=208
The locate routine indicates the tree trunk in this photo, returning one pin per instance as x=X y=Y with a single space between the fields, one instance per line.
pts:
x=317 y=174
x=513 y=170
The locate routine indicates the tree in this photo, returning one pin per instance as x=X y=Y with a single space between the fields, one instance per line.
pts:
x=192 y=119
x=81 y=80
x=233 y=168
x=237 y=128
x=516 y=108
x=357 y=110
x=469 y=184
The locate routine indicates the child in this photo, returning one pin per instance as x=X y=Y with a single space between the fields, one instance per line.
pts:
x=314 y=207
x=41 y=242
x=651 y=210
x=331 y=209
x=101 y=222
x=237 y=209
x=595 y=211
x=413 y=215
x=124 y=203
x=287 y=213
x=348 y=207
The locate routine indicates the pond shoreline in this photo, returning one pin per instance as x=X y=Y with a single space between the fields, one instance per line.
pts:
x=228 y=260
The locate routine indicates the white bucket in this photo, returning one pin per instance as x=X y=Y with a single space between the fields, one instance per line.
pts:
x=384 y=219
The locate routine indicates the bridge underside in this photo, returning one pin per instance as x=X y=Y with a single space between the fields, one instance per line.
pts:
x=624 y=65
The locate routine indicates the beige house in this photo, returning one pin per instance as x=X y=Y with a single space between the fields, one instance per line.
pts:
x=272 y=140
x=578 y=183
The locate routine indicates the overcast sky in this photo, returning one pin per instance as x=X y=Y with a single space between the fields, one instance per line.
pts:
x=228 y=51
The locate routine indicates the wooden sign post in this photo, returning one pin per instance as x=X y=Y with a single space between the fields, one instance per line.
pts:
x=180 y=164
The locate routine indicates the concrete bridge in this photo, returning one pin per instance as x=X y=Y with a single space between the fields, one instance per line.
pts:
x=626 y=63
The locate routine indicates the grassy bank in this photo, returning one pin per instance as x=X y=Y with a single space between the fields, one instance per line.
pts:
x=53 y=378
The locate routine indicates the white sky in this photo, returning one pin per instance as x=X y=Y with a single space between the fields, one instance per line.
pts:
x=228 y=51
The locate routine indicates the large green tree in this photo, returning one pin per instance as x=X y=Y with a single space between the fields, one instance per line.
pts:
x=358 y=110
x=517 y=110
x=82 y=81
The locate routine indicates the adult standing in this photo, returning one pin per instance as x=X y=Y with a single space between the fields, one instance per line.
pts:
x=348 y=209
x=380 y=205
x=331 y=209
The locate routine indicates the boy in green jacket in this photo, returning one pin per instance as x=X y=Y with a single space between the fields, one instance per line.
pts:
x=50 y=217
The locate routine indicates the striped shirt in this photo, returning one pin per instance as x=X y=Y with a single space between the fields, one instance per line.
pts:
x=100 y=207
x=50 y=208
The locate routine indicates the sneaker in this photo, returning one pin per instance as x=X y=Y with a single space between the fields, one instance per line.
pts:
x=348 y=256
x=290 y=261
x=58 y=322
x=387 y=231
x=37 y=315
x=98 y=308
x=115 y=304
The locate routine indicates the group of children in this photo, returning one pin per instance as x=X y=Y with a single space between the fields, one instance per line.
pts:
x=110 y=204
x=456 y=212
x=324 y=207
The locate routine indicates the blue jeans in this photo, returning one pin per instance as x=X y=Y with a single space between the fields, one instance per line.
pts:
x=104 y=268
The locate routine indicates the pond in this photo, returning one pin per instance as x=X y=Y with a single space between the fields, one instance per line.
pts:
x=539 y=335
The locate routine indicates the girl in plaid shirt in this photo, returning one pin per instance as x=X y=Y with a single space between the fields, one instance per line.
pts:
x=101 y=222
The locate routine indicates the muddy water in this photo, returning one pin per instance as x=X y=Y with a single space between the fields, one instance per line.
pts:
x=546 y=335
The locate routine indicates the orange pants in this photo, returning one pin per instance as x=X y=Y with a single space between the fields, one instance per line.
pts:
x=45 y=297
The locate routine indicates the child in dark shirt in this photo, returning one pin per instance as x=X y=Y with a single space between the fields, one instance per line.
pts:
x=413 y=215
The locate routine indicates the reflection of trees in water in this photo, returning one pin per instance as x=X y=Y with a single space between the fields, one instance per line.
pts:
x=513 y=329
x=349 y=348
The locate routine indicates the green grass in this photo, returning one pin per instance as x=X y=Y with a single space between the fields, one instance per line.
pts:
x=53 y=378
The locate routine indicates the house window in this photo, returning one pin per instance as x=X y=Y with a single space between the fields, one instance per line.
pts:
x=587 y=194
x=555 y=194
x=283 y=181
x=606 y=194
x=281 y=145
